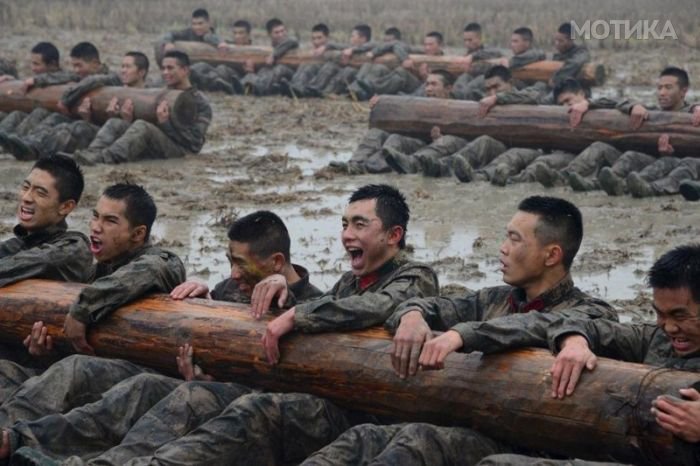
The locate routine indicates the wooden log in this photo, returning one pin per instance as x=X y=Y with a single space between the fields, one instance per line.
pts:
x=182 y=106
x=506 y=396
x=591 y=75
x=545 y=127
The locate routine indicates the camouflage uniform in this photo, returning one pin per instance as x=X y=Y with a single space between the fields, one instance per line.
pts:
x=464 y=88
x=374 y=78
x=521 y=460
x=426 y=159
x=222 y=78
x=266 y=80
x=144 y=140
x=586 y=165
x=663 y=177
x=306 y=83
x=506 y=164
x=345 y=75
x=489 y=320
x=7 y=67
x=300 y=291
x=185 y=35
x=573 y=59
x=555 y=161
x=525 y=58
x=474 y=156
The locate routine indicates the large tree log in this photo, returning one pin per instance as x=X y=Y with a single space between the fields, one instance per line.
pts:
x=182 y=106
x=591 y=74
x=544 y=127
x=506 y=396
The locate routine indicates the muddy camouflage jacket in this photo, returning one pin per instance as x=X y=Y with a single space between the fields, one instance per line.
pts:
x=53 y=253
x=303 y=290
x=147 y=270
x=360 y=302
x=504 y=306
x=54 y=78
x=188 y=35
x=191 y=137
x=573 y=59
x=527 y=57
x=73 y=95
x=626 y=106
x=282 y=48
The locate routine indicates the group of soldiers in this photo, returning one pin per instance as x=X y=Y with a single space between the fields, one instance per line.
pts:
x=123 y=137
x=83 y=409
x=599 y=166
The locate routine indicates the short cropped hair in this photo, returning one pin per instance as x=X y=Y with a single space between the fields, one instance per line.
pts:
x=394 y=32
x=525 y=33
x=201 y=13
x=273 y=23
x=322 y=28
x=499 y=71
x=566 y=29
x=364 y=30
x=263 y=232
x=559 y=222
x=447 y=78
x=678 y=268
x=85 y=51
x=392 y=208
x=67 y=176
x=473 y=27
x=437 y=35
x=140 y=207
x=567 y=85
x=680 y=74
x=49 y=53
x=140 y=60
x=181 y=57
x=242 y=23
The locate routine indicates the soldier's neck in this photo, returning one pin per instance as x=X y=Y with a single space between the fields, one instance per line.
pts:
x=548 y=281
x=290 y=274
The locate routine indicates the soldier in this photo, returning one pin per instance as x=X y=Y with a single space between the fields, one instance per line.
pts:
x=43 y=247
x=259 y=246
x=380 y=151
x=644 y=175
x=404 y=79
x=66 y=138
x=8 y=68
x=306 y=72
x=200 y=30
x=690 y=190
x=337 y=77
x=128 y=267
x=85 y=61
x=574 y=56
x=167 y=139
x=225 y=78
x=673 y=342
x=266 y=80
x=475 y=63
x=542 y=240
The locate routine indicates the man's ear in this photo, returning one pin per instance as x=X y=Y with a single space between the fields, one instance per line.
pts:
x=555 y=255
x=278 y=262
x=395 y=235
x=138 y=234
x=66 y=207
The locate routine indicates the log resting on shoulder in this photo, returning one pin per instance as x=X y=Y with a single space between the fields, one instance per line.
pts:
x=506 y=396
x=182 y=106
x=545 y=127
x=591 y=74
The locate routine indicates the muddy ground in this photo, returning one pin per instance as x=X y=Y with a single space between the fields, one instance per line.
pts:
x=265 y=153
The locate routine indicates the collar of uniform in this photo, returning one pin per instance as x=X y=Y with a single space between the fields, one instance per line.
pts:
x=298 y=287
x=549 y=298
x=111 y=267
x=41 y=236
x=371 y=278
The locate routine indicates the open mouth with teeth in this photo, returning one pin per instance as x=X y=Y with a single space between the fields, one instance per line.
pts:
x=95 y=245
x=356 y=256
x=26 y=213
x=681 y=345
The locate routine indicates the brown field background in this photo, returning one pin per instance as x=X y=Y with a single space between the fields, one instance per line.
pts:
x=413 y=17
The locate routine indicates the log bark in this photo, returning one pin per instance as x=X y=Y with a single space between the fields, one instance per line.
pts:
x=182 y=106
x=506 y=396
x=545 y=127
x=591 y=74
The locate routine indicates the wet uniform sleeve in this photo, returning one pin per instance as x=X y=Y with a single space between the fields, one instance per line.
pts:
x=68 y=260
x=572 y=66
x=531 y=95
x=441 y=313
x=55 y=78
x=520 y=330
x=192 y=136
x=626 y=342
x=525 y=58
x=626 y=106
x=212 y=39
x=486 y=54
x=383 y=48
x=73 y=95
x=402 y=51
x=364 y=48
x=286 y=46
x=360 y=311
x=603 y=103
x=148 y=273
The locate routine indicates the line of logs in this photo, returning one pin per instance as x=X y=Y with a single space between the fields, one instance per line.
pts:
x=591 y=74
x=545 y=127
x=182 y=105
x=506 y=396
